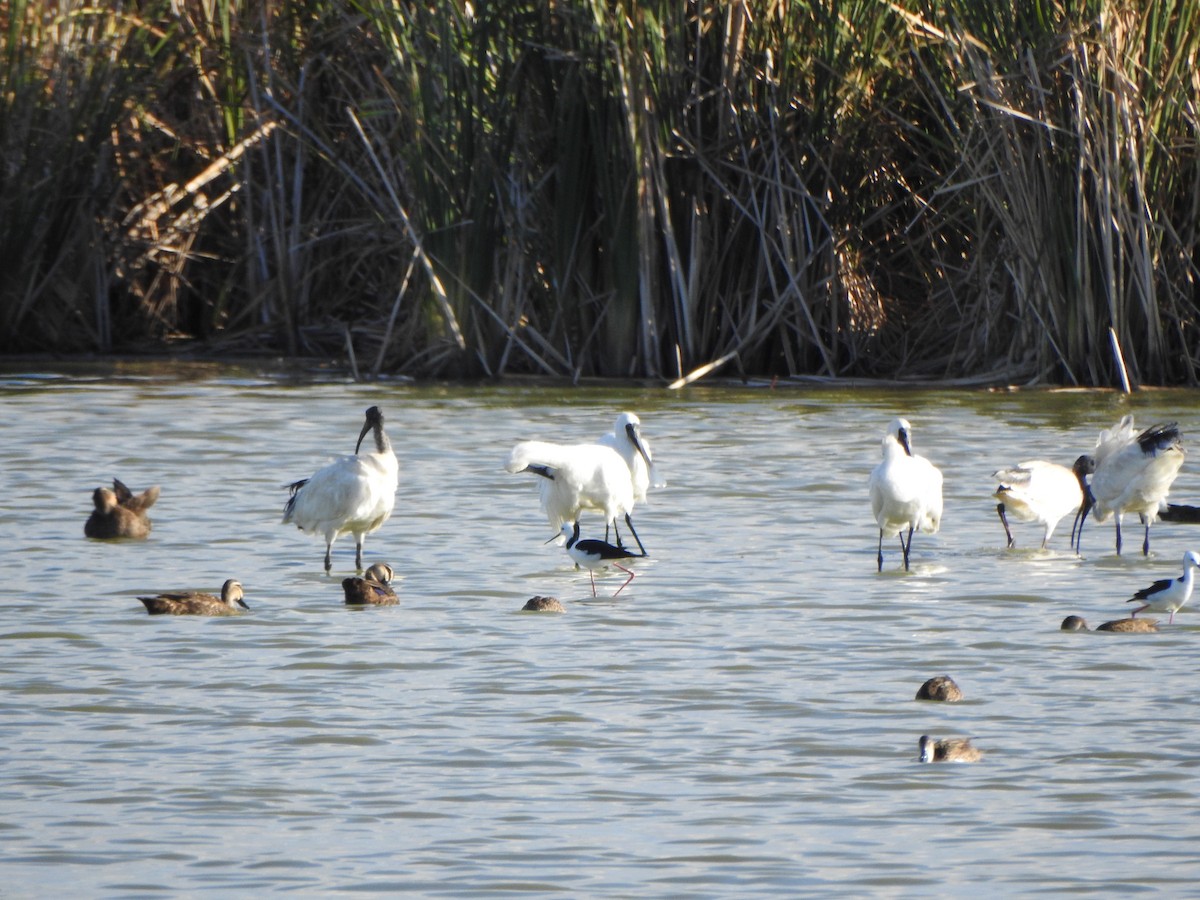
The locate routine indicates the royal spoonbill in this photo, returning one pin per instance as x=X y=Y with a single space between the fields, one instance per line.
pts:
x=906 y=490
x=1134 y=473
x=627 y=439
x=1170 y=594
x=112 y=519
x=576 y=477
x=195 y=603
x=940 y=687
x=374 y=588
x=352 y=495
x=593 y=555
x=947 y=750
x=1042 y=492
x=543 y=604
x=1135 y=626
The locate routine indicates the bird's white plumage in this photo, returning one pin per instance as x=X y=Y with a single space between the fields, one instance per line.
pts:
x=905 y=489
x=1040 y=491
x=1134 y=473
x=627 y=439
x=574 y=478
x=1169 y=595
x=351 y=495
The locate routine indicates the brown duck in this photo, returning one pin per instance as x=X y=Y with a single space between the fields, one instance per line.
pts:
x=373 y=589
x=947 y=750
x=194 y=603
x=1127 y=626
x=940 y=687
x=120 y=513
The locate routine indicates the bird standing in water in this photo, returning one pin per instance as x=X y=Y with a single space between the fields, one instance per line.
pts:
x=1170 y=594
x=905 y=489
x=352 y=495
x=593 y=555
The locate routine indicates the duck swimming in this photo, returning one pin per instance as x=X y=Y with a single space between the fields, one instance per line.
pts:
x=195 y=603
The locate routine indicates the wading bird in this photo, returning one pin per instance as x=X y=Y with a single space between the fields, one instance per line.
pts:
x=947 y=750
x=593 y=555
x=1170 y=594
x=906 y=490
x=120 y=513
x=1134 y=473
x=194 y=603
x=576 y=477
x=1042 y=492
x=626 y=438
x=374 y=588
x=352 y=495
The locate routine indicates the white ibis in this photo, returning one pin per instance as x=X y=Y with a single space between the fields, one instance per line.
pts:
x=1042 y=492
x=1134 y=473
x=352 y=495
x=947 y=750
x=593 y=555
x=1170 y=594
x=906 y=490
x=195 y=603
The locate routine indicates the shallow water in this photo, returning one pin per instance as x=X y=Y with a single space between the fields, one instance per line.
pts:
x=739 y=720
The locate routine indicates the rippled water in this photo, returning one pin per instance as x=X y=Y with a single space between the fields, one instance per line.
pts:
x=739 y=720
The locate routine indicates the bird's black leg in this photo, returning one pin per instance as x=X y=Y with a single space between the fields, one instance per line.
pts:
x=328 y=561
x=616 y=533
x=907 y=546
x=1146 y=542
x=1118 y=535
x=358 y=554
x=880 y=549
x=633 y=531
x=1004 y=522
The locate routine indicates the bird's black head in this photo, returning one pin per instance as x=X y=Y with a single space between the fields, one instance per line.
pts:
x=374 y=422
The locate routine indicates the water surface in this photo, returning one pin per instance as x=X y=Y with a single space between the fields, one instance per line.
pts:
x=739 y=720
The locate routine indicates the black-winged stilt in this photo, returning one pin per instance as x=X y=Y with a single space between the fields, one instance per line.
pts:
x=1170 y=594
x=593 y=555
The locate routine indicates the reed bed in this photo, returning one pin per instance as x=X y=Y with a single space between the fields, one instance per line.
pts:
x=911 y=190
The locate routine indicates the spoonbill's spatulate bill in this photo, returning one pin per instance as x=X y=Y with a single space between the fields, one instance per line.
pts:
x=374 y=588
x=1042 y=492
x=1134 y=473
x=905 y=489
x=195 y=603
x=352 y=495
x=627 y=439
x=1170 y=594
x=593 y=555
x=575 y=477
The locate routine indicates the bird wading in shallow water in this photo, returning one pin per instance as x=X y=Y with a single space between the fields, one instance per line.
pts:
x=1134 y=473
x=905 y=489
x=1170 y=594
x=1042 y=492
x=576 y=477
x=593 y=555
x=352 y=495
x=195 y=603
x=626 y=438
